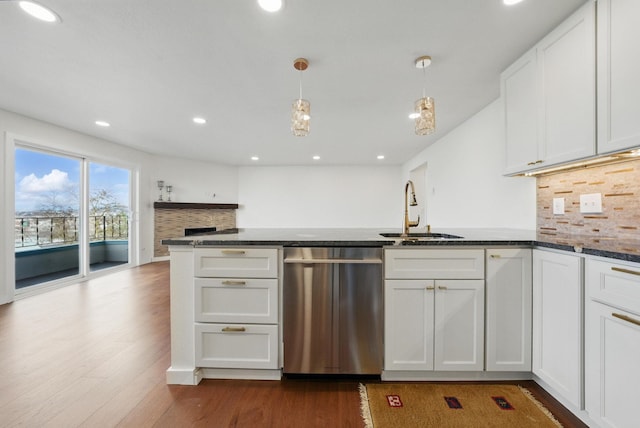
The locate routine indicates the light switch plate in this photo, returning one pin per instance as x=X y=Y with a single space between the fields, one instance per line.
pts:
x=591 y=203
x=558 y=206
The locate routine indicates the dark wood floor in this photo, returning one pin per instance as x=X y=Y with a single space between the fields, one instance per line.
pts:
x=95 y=354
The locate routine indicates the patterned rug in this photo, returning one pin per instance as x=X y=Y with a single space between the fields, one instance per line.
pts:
x=443 y=405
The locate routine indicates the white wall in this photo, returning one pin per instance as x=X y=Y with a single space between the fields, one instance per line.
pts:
x=465 y=186
x=331 y=196
x=195 y=181
x=14 y=126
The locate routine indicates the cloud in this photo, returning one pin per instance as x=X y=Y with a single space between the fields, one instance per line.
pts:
x=55 y=181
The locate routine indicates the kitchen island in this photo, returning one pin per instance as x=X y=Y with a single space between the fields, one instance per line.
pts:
x=227 y=303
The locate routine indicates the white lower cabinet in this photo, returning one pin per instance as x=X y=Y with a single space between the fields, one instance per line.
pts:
x=434 y=325
x=612 y=343
x=236 y=346
x=236 y=308
x=508 y=312
x=558 y=324
x=434 y=309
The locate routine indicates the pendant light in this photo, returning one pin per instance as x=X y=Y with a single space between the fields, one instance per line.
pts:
x=424 y=113
x=300 y=109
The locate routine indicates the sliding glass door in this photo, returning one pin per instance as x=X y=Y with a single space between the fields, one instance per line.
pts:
x=71 y=217
x=108 y=216
x=47 y=217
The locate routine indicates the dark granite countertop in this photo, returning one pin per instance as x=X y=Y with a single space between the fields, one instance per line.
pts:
x=352 y=237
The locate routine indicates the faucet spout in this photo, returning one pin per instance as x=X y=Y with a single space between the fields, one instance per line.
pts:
x=406 y=224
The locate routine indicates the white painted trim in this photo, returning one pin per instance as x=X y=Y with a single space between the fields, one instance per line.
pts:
x=183 y=376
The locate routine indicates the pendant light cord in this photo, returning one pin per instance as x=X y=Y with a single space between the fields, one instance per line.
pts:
x=300 y=97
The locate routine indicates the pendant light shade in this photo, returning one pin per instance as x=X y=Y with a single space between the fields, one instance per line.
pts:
x=425 y=108
x=301 y=108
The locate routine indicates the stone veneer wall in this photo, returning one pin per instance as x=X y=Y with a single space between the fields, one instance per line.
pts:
x=619 y=185
x=170 y=223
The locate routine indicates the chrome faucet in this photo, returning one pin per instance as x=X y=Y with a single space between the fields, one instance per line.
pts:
x=407 y=203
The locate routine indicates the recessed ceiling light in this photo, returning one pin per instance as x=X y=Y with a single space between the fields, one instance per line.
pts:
x=199 y=120
x=510 y=2
x=316 y=157
x=380 y=157
x=271 y=5
x=255 y=158
x=40 y=12
x=103 y=123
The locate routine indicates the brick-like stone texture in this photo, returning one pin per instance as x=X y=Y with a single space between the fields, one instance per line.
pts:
x=170 y=223
x=619 y=185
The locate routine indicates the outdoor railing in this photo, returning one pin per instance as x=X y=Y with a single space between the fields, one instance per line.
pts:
x=42 y=231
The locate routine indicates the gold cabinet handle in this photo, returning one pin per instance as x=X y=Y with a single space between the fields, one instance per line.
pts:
x=626 y=318
x=234 y=252
x=535 y=162
x=441 y=287
x=623 y=270
x=234 y=329
x=430 y=287
x=495 y=256
x=229 y=282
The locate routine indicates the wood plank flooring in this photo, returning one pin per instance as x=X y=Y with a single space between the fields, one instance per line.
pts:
x=95 y=354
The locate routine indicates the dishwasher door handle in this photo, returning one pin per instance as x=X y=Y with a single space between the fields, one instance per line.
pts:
x=334 y=261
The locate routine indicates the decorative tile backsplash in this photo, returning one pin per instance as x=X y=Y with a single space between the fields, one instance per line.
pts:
x=619 y=185
x=170 y=223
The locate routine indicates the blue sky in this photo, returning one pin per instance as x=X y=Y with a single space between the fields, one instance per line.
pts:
x=42 y=177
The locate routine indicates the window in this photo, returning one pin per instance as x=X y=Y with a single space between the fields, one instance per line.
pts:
x=71 y=217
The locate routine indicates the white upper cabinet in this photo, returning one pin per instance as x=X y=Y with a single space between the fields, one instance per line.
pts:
x=549 y=97
x=519 y=94
x=618 y=71
x=567 y=72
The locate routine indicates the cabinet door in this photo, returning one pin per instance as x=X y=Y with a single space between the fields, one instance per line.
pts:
x=408 y=324
x=613 y=372
x=508 y=325
x=235 y=300
x=415 y=263
x=557 y=323
x=459 y=325
x=236 y=346
x=567 y=72
x=519 y=87
x=618 y=71
x=230 y=262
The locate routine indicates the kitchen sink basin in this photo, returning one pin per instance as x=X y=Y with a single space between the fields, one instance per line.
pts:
x=420 y=235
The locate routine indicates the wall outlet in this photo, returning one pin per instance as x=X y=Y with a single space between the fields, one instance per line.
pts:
x=558 y=206
x=591 y=203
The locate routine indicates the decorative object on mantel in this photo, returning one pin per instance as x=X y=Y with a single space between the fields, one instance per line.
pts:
x=424 y=114
x=160 y=187
x=301 y=109
x=169 y=190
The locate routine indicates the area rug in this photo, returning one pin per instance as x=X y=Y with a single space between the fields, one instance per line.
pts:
x=444 y=405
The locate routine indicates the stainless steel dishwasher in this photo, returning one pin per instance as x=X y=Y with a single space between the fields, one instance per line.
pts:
x=333 y=310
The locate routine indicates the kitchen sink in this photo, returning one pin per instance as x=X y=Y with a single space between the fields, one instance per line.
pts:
x=420 y=235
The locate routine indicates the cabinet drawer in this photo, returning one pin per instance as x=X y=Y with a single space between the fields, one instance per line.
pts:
x=615 y=284
x=236 y=346
x=232 y=262
x=434 y=264
x=243 y=300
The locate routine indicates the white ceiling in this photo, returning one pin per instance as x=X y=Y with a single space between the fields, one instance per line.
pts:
x=149 y=66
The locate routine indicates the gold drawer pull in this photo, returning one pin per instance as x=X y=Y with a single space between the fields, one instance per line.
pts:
x=623 y=270
x=234 y=329
x=495 y=256
x=233 y=252
x=441 y=287
x=626 y=318
x=430 y=287
x=234 y=282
